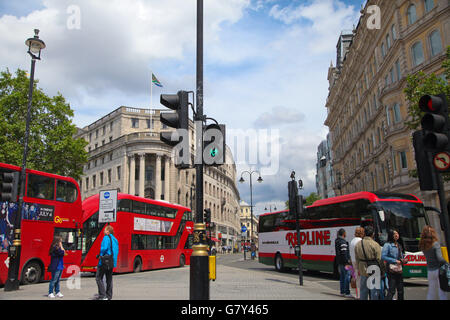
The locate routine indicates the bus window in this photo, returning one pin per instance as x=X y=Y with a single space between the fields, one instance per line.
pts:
x=69 y=237
x=40 y=187
x=66 y=191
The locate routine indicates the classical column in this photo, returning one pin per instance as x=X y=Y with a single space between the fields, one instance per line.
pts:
x=132 y=175
x=125 y=174
x=167 y=179
x=158 y=177
x=141 y=174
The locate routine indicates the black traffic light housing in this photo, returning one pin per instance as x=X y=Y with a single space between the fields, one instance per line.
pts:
x=435 y=122
x=177 y=120
x=214 y=145
x=425 y=171
x=293 y=196
x=207 y=216
x=10 y=186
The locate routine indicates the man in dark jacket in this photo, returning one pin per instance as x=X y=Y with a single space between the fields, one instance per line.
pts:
x=343 y=259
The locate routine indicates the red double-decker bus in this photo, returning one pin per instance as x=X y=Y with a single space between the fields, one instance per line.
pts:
x=52 y=207
x=152 y=234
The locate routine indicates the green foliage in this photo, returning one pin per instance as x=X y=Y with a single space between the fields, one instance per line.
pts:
x=309 y=200
x=51 y=146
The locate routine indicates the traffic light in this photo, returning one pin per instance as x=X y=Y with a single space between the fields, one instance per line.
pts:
x=178 y=120
x=214 y=145
x=425 y=172
x=10 y=186
x=293 y=197
x=207 y=216
x=435 y=123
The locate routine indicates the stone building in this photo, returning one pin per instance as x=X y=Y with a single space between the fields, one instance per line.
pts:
x=367 y=108
x=125 y=153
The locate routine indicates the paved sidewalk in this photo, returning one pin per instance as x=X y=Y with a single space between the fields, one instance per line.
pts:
x=173 y=284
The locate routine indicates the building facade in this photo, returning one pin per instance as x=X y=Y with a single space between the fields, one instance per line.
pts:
x=125 y=153
x=246 y=220
x=324 y=178
x=367 y=108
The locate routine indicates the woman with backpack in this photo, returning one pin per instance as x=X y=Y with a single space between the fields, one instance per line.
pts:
x=431 y=248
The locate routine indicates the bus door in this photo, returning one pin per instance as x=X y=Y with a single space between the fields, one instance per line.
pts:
x=71 y=241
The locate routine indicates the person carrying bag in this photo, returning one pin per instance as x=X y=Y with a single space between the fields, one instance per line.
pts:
x=109 y=251
x=393 y=256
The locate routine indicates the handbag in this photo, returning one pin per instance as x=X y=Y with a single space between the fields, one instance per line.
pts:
x=108 y=259
x=396 y=268
x=353 y=283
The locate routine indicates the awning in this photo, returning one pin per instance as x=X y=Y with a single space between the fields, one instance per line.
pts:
x=215 y=239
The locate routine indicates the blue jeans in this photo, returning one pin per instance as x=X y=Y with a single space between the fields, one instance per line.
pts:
x=56 y=276
x=344 y=278
x=364 y=290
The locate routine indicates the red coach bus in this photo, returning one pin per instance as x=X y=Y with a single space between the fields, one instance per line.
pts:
x=152 y=234
x=52 y=206
x=322 y=220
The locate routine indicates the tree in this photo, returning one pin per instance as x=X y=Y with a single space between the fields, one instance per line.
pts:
x=309 y=199
x=51 y=146
x=419 y=84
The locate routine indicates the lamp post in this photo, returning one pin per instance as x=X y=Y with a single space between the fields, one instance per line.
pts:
x=35 y=45
x=270 y=208
x=241 y=180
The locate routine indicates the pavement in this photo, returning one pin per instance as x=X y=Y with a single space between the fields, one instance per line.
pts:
x=173 y=284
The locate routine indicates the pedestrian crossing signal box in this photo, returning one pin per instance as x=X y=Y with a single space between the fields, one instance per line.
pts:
x=212 y=268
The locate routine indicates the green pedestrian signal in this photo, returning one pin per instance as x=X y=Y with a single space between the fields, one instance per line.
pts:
x=213 y=152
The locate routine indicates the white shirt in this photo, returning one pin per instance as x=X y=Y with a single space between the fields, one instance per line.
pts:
x=352 y=247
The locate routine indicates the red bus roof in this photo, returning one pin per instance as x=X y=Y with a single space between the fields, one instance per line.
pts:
x=371 y=196
x=51 y=175
x=93 y=202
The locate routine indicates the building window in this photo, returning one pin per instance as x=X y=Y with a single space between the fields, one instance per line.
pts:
x=417 y=53
x=118 y=172
x=134 y=122
x=394 y=34
x=94 y=179
x=388 y=41
x=109 y=175
x=87 y=184
x=398 y=70
x=383 y=50
x=435 y=43
x=412 y=17
x=403 y=160
x=397 y=114
x=429 y=5
x=101 y=178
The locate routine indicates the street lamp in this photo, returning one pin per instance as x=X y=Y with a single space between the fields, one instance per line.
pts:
x=35 y=45
x=241 y=180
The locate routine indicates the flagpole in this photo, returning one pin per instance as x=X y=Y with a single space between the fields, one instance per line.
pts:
x=151 y=88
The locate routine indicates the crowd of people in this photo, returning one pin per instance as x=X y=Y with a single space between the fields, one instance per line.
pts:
x=376 y=272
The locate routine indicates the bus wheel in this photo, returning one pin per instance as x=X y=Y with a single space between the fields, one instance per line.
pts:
x=182 y=260
x=279 y=264
x=32 y=273
x=137 y=265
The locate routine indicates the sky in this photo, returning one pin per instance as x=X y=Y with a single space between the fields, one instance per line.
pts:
x=265 y=69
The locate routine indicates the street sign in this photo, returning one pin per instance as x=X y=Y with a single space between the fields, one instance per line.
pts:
x=244 y=228
x=107 y=206
x=441 y=161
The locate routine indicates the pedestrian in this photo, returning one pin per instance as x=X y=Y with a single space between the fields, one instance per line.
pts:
x=368 y=255
x=431 y=248
x=56 y=266
x=392 y=255
x=359 y=234
x=343 y=260
x=109 y=246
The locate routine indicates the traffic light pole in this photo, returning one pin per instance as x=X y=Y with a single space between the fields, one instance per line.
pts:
x=199 y=269
x=444 y=210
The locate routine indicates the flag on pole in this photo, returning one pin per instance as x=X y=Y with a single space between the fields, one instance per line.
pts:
x=156 y=81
